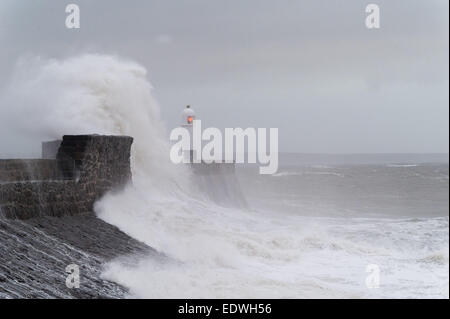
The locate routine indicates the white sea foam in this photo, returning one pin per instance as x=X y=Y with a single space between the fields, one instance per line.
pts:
x=306 y=172
x=402 y=165
x=284 y=174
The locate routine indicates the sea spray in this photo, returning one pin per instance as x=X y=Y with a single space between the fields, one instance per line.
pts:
x=88 y=94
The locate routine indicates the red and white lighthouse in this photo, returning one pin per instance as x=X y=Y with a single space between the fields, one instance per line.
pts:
x=187 y=121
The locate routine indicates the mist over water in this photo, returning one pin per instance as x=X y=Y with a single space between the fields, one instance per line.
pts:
x=308 y=232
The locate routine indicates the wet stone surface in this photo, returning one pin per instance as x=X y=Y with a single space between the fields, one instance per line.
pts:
x=35 y=253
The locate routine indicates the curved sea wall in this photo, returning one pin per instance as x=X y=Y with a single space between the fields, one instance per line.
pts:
x=83 y=169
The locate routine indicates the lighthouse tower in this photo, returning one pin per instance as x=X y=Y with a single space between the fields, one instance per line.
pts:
x=187 y=121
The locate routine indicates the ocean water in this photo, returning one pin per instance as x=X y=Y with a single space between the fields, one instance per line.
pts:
x=308 y=231
x=311 y=230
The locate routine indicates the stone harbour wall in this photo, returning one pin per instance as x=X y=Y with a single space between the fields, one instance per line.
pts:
x=28 y=170
x=85 y=168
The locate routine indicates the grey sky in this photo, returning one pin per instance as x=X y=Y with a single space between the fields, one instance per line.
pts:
x=310 y=68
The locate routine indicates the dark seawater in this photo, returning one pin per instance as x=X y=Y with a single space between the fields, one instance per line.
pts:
x=356 y=190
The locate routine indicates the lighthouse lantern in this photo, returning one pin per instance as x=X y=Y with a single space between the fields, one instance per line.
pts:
x=188 y=116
